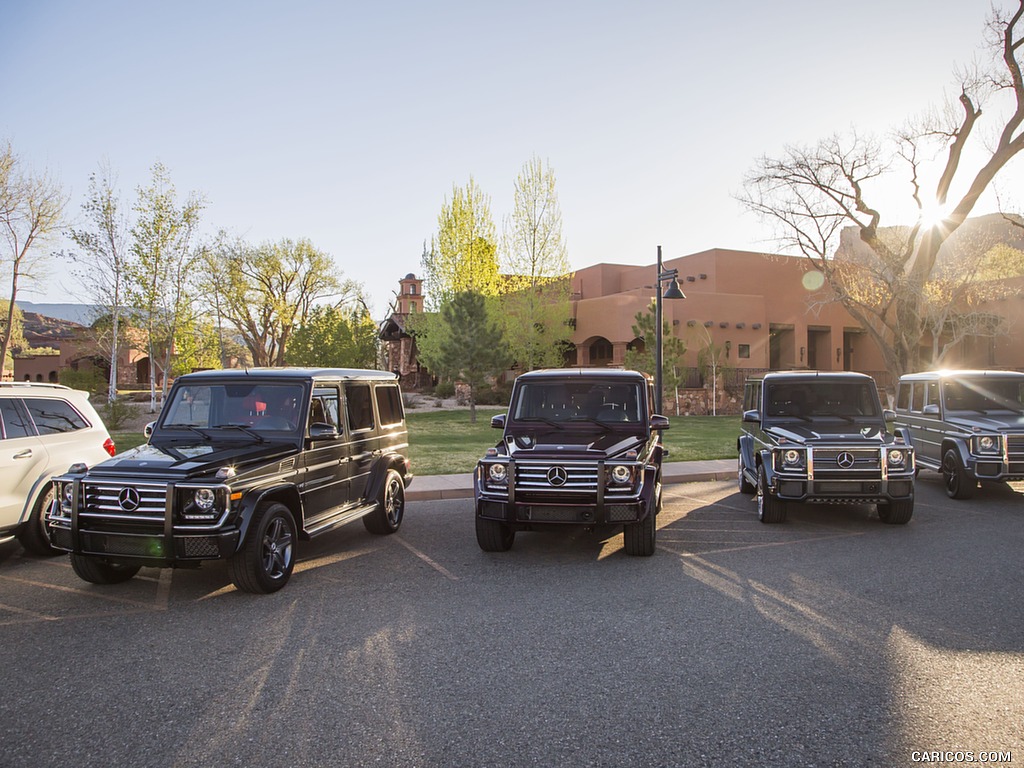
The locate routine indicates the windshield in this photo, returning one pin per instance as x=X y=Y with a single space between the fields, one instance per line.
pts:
x=264 y=407
x=557 y=402
x=843 y=399
x=984 y=394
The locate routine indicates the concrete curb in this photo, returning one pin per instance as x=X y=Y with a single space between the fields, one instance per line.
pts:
x=441 y=487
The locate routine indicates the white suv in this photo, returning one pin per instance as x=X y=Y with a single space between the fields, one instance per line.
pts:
x=44 y=429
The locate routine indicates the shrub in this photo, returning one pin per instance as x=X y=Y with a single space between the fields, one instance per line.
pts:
x=118 y=414
x=444 y=389
x=88 y=380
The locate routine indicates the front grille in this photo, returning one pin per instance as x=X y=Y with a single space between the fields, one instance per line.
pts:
x=1015 y=447
x=568 y=481
x=552 y=514
x=121 y=544
x=131 y=501
x=198 y=546
x=866 y=461
x=622 y=513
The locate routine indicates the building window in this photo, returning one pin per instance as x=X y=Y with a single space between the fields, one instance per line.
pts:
x=412 y=289
x=412 y=306
x=743 y=350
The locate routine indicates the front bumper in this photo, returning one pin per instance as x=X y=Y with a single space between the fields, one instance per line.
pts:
x=860 y=491
x=524 y=502
x=146 y=548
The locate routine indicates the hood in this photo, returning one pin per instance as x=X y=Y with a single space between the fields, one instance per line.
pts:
x=190 y=459
x=989 y=422
x=829 y=433
x=579 y=445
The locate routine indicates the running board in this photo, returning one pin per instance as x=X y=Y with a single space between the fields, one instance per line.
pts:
x=333 y=520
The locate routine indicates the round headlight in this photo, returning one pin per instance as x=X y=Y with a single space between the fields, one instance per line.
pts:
x=791 y=456
x=204 y=498
x=497 y=472
x=987 y=443
x=620 y=474
x=68 y=492
x=896 y=457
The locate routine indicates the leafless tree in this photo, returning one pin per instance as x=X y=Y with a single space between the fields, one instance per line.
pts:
x=31 y=210
x=885 y=278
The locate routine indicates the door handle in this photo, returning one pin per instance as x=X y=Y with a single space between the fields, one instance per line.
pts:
x=25 y=454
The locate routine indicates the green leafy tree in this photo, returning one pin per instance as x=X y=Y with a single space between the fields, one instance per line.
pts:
x=463 y=254
x=673 y=349
x=268 y=291
x=466 y=344
x=162 y=269
x=31 y=211
x=335 y=337
x=536 y=305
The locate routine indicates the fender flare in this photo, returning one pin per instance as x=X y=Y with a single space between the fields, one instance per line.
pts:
x=287 y=493
x=380 y=470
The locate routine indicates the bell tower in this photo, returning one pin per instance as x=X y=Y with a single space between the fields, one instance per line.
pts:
x=410 y=297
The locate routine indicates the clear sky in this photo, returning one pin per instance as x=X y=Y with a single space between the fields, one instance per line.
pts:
x=348 y=123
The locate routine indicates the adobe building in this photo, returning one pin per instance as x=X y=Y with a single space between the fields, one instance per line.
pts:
x=767 y=312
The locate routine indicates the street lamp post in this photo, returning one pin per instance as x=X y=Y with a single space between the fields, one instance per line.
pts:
x=672 y=292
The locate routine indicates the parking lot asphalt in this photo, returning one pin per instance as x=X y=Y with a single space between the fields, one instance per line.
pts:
x=460 y=486
x=829 y=640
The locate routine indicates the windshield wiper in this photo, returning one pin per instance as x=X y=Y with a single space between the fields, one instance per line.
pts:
x=201 y=432
x=603 y=425
x=244 y=428
x=549 y=422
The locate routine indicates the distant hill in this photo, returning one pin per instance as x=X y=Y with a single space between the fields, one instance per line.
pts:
x=83 y=314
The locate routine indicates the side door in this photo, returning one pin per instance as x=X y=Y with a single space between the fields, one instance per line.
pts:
x=22 y=458
x=325 y=485
x=361 y=428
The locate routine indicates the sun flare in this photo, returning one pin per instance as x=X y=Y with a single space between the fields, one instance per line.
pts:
x=933 y=213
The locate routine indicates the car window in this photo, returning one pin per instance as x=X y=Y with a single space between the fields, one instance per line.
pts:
x=562 y=401
x=903 y=396
x=53 y=416
x=358 y=407
x=323 y=408
x=14 y=423
x=389 y=404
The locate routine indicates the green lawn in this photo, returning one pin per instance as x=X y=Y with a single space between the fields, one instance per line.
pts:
x=445 y=442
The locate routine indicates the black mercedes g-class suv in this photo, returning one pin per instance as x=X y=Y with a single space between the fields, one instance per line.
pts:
x=239 y=465
x=821 y=437
x=968 y=425
x=578 y=447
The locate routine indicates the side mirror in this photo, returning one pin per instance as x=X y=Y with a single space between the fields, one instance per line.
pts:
x=753 y=417
x=147 y=431
x=498 y=422
x=323 y=431
x=659 y=422
x=889 y=416
x=931 y=410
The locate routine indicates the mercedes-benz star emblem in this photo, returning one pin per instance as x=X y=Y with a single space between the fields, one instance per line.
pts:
x=557 y=476
x=128 y=499
x=845 y=460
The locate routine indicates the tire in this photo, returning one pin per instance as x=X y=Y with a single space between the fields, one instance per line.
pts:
x=33 y=536
x=494 y=535
x=639 y=538
x=265 y=562
x=959 y=484
x=745 y=485
x=387 y=517
x=769 y=508
x=896 y=512
x=96 y=570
